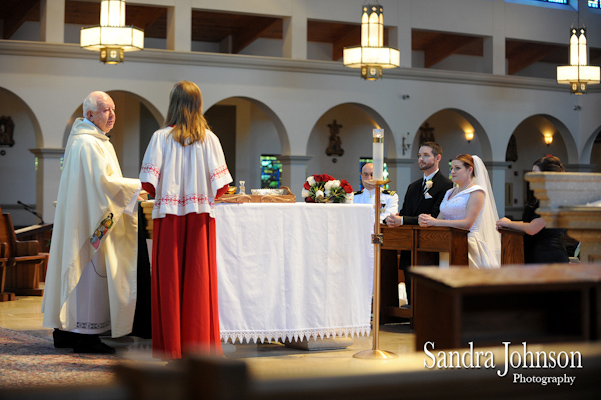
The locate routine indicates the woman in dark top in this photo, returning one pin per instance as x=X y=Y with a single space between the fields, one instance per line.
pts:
x=541 y=245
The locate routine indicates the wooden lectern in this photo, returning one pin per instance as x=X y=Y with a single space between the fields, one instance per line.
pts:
x=424 y=244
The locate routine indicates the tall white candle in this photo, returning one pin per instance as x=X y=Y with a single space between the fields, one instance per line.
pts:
x=378 y=154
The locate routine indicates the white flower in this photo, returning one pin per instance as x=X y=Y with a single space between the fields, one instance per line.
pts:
x=332 y=185
x=311 y=180
x=319 y=193
x=305 y=193
x=429 y=184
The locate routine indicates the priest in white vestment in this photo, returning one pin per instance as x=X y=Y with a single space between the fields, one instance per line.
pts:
x=91 y=278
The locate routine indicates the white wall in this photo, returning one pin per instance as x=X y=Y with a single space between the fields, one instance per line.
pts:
x=286 y=104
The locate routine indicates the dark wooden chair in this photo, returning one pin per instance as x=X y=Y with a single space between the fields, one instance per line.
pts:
x=23 y=260
x=4 y=296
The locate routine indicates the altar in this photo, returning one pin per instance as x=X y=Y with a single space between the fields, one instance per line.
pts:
x=294 y=271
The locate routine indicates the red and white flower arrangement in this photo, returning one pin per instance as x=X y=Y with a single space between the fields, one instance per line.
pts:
x=325 y=189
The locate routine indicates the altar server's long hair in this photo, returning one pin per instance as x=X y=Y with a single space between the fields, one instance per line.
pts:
x=185 y=114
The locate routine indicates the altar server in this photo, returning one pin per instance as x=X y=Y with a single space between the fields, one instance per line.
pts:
x=184 y=169
x=91 y=277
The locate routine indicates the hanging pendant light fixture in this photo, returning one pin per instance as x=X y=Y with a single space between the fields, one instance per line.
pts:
x=371 y=56
x=112 y=38
x=578 y=74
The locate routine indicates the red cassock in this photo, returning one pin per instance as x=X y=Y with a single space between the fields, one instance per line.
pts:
x=185 y=307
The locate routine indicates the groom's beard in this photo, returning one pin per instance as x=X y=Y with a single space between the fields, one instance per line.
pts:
x=426 y=166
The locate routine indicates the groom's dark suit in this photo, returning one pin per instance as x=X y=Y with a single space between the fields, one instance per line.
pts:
x=415 y=202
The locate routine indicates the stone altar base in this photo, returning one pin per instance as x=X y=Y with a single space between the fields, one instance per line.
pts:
x=565 y=202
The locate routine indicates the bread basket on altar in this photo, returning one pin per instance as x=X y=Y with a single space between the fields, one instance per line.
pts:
x=281 y=195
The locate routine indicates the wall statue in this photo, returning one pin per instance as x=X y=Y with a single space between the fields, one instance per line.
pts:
x=335 y=146
x=7 y=127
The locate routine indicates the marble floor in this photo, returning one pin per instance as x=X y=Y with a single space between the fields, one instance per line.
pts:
x=279 y=371
x=267 y=360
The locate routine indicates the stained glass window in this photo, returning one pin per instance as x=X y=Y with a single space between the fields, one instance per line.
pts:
x=271 y=172
x=556 y=1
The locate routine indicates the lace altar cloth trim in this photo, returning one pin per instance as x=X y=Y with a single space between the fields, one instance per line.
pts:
x=317 y=333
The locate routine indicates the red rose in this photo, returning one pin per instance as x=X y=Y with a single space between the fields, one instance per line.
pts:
x=327 y=178
x=345 y=185
x=309 y=200
x=306 y=185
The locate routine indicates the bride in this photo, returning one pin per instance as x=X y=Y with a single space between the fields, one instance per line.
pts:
x=471 y=205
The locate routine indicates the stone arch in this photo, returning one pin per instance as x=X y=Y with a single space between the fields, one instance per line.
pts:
x=357 y=122
x=450 y=125
x=591 y=152
x=152 y=109
x=530 y=133
x=137 y=119
x=258 y=130
x=9 y=97
x=17 y=162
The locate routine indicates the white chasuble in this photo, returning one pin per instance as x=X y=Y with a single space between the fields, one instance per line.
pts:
x=91 y=221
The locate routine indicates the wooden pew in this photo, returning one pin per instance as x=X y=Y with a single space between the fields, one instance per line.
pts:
x=4 y=296
x=424 y=244
x=41 y=233
x=533 y=303
x=512 y=246
x=23 y=261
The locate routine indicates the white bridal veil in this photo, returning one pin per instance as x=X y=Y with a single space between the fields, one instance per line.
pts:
x=488 y=229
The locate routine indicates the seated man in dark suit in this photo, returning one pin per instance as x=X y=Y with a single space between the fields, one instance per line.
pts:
x=423 y=196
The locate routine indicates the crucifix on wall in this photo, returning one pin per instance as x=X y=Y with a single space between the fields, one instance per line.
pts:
x=335 y=145
x=7 y=127
x=426 y=134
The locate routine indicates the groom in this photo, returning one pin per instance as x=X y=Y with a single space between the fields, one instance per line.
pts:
x=423 y=196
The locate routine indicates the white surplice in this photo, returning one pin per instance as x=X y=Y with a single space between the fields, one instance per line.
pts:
x=92 y=193
x=181 y=193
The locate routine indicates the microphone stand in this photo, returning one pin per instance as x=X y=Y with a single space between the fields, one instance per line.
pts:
x=31 y=210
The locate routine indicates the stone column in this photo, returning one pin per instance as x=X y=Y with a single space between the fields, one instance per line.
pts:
x=294 y=173
x=494 y=47
x=48 y=175
x=52 y=21
x=400 y=175
x=496 y=172
x=400 y=36
x=295 y=33
x=179 y=26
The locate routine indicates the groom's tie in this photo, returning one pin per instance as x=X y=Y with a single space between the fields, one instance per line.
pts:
x=424 y=185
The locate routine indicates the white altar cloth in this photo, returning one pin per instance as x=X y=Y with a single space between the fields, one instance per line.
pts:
x=294 y=271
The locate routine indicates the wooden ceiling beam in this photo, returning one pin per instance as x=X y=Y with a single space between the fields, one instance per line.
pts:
x=18 y=15
x=153 y=20
x=245 y=35
x=524 y=55
x=351 y=37
x=444 y=46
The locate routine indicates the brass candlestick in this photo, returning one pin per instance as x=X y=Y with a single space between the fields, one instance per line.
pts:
x=377 y=239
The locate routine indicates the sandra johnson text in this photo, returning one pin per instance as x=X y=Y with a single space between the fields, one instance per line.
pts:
x=469 y=358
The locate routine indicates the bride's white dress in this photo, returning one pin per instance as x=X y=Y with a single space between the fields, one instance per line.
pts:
x=480 y=253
